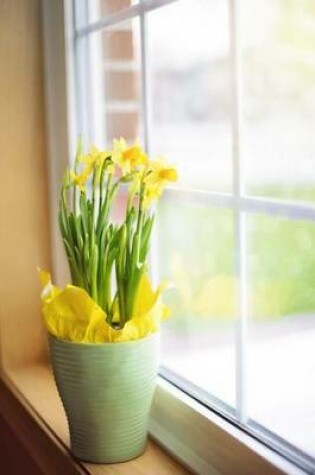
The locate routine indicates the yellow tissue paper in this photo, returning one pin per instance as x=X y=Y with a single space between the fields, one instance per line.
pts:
x=71 y=314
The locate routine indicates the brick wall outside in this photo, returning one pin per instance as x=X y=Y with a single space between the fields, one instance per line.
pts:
x=121 y=75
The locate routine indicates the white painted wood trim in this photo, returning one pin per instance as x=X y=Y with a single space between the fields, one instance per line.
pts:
x=59 y=103
x=206 y=442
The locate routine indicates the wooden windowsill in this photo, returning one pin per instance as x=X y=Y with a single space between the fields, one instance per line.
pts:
x=35 y=389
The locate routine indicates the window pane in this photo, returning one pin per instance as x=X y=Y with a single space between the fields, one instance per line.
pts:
x=118 y=98
x=190 y=97
x=195 y=250
x=90 y=11
x=122 y=80
x=112 y=6
x=281 y=356
x=279 y=97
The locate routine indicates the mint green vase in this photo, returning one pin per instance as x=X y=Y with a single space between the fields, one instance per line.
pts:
x=106 y=390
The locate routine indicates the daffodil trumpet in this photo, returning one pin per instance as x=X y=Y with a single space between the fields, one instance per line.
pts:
x=107 y=259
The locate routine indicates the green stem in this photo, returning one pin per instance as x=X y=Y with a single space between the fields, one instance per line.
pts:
x=103 y=214
x=76 y=161
x=120 y=276
x=140 y=221
x=94 y=273
x=103 y=173
x=75 y=200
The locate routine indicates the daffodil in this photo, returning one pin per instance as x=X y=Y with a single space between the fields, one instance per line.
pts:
x=95 y=157
x=93 y=160
x=128 y=158
x=80 y=179
x=107 y=256
x=152 y=193
x=160 y=173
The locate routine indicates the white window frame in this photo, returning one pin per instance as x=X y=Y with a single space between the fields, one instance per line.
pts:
x=201 y=438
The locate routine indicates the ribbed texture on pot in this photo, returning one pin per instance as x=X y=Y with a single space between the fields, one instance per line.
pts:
x=106 y=390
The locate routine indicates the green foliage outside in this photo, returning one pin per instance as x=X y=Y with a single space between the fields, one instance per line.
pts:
x=197 y=245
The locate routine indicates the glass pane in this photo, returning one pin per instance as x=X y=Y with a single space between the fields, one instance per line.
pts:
x=279 y=97
x=195 y=250
x=90 y=11
x=190 y=97
x=121 y=54
x=116 y=82
x=112 y=6
x=281 y=354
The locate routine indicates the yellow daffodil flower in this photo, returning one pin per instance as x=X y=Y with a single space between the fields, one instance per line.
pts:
x=95 y=157
x=80 y=179
x=128 y=158
x=160 y=173
x=151 y=194
x=94 y=161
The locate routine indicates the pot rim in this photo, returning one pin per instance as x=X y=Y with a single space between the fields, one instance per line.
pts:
x=105 y=343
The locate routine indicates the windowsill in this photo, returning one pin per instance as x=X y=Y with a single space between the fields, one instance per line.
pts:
x=34 y=386
x=223 y=449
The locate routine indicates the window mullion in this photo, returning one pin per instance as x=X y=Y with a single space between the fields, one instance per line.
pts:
x=120 y=16
x=248 y=204
x=145 y=78
x=239 y=214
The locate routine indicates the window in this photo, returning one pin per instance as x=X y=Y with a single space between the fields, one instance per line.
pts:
x=226 y=90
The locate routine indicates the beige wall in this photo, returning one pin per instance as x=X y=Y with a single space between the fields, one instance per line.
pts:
x=24 y=229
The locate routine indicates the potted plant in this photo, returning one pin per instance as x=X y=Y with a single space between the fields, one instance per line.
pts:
x=103 y=327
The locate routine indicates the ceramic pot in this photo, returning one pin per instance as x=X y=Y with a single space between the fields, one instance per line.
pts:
x=106 y=390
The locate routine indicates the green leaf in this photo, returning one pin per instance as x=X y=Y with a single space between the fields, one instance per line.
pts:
x=145 y=241
x=63 y=223
x=75 y=274
x=86 y=257
x=94 y=267
x=73 y=228
x=84 y=212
